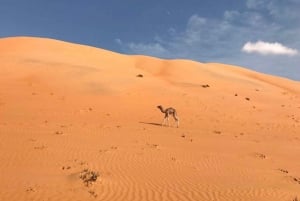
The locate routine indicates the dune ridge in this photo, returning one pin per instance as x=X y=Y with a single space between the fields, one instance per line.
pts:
x=68 y=108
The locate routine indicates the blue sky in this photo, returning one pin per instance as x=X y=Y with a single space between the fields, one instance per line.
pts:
x=262 y=35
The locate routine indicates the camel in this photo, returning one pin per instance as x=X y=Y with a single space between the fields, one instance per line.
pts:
x=167 y=112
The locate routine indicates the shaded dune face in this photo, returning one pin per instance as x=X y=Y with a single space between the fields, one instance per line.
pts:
x=82 y=123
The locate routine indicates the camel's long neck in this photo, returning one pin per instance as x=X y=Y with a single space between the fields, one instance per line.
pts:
x=162 y=109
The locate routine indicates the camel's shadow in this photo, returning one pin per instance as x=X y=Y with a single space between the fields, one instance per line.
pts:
x=150 y=123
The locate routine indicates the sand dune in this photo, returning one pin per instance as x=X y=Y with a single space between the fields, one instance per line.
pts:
x=69 y=111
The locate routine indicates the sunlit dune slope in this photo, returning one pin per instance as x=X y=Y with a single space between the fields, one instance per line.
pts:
x=82 y=64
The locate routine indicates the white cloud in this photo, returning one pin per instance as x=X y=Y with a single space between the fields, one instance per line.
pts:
x=266 y=48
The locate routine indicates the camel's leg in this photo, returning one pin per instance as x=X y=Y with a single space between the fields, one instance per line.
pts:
x=176 y=119
x=164 y=121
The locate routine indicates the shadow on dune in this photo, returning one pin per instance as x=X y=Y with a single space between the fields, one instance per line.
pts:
x=150 y=123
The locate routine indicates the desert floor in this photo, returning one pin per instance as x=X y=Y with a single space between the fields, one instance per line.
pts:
x=70 y=111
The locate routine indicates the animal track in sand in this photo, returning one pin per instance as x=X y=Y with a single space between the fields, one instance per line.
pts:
x=40 y=147
x=293 y=179
x=93 y=193
x=283 y=171
x=205 y=85
x=59 y=133
x=296 y=179
x=73 y=164
x=61 y=127
x=260 y=155
x=30 y=190
x=239 y=135
x=102 y=151
x=32 y=140
x=66 y=167
x=217 y=132
x=294 y=118
x=153 y=146
x=187 y=138
x=89 y=178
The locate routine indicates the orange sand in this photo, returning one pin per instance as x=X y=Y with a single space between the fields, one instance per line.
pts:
x=66 y=107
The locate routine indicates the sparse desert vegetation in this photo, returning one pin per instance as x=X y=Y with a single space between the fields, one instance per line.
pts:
x=88 y=176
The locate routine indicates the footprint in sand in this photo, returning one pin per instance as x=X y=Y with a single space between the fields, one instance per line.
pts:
x=30 y=189
x=40 y=147
x=74 y=164
x=93 y=193
x=152 y=146
x=32 y=140
x=283 y=170
x=217 y=132
x=59 y=133
x=66 y=167
x=260 y=155
x=102 y=151
x=296 y=179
